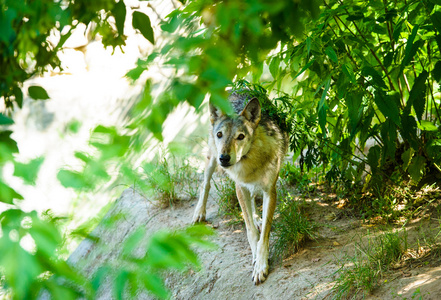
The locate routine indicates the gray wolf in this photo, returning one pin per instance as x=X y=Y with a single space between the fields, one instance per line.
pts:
x=250 y=147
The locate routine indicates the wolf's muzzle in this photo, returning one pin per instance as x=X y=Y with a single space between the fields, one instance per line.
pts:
x=224 y=160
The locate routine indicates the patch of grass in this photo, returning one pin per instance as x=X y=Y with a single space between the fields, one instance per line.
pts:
x=161 y=182
x=170 y=179
x=227 y=200
x=186 y=178
x=386 y=249
x=361 y=273
x=359 y=279
x=291 y=228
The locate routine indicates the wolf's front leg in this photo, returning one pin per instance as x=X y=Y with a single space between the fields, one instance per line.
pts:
x=261 y=264
x=244 y=197
x=201 y=207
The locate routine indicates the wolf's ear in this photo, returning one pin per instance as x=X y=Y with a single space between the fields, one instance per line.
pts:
x=252 y=112
x=215 y=113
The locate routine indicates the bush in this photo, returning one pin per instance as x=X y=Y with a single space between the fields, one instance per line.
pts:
x=371 y=259
x=227 y=200
x=291 y=228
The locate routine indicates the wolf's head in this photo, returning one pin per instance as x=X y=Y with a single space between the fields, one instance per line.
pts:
x=233 y=135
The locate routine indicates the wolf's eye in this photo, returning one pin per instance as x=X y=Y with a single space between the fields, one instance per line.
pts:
x=240 y=137
x=219 y=134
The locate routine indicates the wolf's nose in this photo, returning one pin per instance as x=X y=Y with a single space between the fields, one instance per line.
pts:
x=224 y=159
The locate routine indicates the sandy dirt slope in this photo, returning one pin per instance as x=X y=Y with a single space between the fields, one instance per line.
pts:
x=226 y=272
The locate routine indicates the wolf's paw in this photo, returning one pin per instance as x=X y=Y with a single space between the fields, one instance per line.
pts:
x=198 y=217
x=260 y=272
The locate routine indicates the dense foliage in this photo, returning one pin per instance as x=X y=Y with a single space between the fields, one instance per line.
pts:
x=375 y=67
x=365 y=72
x=360 y=84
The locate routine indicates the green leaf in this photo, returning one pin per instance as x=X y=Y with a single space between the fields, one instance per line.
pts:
x=388 y=106
x=9 y=143
x=7 y=146
x=436 y=20
x=353 y=102
x=305 y=68
x=388 y=59
x=73 y=126
x=411 y=39
x=110 y=142
x=416 y=168
x=154 y=284
x=119 y=13
x=397 y=30
x=11 y=219
x=411 y=48
x=349 y=72
x=417 y=96
x=188 y=92
x=132 y=242
x=119 y=284
x=199 y=231
x=172 y=23
x=308 y=45
x=331 y=54
x=274 y=66
x=322 y=107
x=407 y=157
x=257 y=71
x=8 y=194
x=7 y=33
x=409 y=130
x=197 y=235
x=72 y=179
x=433 y=148
x=28 y=172
x=37 y=93
x=18 y=96
x=427 y=126
x=221 y=102
x=141 y=22
x=376 y=77
x=171 y=250
x=100 y=275
x=4 y=120
x=19 y=268
x=46 y=236
x=373 y=158
x=141 y=66
x=436 y=73
x=389 y=137
x=146 y=99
